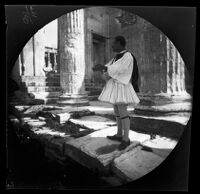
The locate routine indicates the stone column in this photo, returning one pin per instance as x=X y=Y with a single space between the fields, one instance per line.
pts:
x=27 y=58
x=49 y=65
x=163 y=64
x=162 y=68
x=71 y=32
x=33 y=56
x=55 y=62
x=150 y=59
x=39 y=52
x=175 y=71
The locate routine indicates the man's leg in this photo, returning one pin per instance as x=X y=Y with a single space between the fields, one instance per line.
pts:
x=118 y=136
x=118 y=120
x=122 y=108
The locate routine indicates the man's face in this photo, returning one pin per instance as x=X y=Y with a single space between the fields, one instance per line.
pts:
x=116 y=46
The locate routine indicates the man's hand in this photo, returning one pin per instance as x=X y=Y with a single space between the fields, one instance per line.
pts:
x=106 y=76
x=99 y=67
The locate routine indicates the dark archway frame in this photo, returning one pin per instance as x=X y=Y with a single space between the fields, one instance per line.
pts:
x=178 y=24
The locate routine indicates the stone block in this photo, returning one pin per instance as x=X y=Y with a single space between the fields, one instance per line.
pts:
x=34 y=109
x=135 y=164
x=62 y=117
x=45 y=114
x=49 y=131
x=36 y=123
x=96 y=151
x=93 y=122
x=161 y=146
x=81 y=132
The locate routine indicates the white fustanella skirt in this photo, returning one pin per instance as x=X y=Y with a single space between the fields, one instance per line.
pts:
x=115 y=92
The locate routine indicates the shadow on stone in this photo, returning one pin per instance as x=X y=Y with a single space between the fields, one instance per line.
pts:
x=162 y=152
x=79 y=114
x=106 y=149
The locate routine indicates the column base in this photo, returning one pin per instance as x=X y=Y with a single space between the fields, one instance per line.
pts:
x=73 y=100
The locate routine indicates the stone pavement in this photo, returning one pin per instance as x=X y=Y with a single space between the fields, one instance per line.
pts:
x=80 y=133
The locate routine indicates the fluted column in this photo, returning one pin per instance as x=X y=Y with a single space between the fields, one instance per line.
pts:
x=55 y=62
x=175 y=71
x=27 y=59
x=49 y=65
x=162 y=68
x=39 y=53
x=163 y=64
x=71 y=32
x=32 y=57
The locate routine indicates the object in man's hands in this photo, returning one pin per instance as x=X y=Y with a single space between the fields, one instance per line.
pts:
x=105 y=76
x=100 y=68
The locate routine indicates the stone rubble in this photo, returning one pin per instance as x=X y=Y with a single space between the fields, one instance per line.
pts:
x=83 y=138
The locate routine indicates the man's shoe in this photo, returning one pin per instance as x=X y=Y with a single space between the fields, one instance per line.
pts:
x=115 y=138
x=124 y=144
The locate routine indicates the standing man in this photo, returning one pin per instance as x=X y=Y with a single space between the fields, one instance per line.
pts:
x=119 y=90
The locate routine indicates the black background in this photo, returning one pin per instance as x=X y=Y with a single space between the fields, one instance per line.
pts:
x=178 y=24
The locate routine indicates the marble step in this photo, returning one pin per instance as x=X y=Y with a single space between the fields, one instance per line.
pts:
x=42 y=95
x=47 y=97
x=50 y=100
x=43 y=83
x=73 y=102
x=40 y=80
x=43 y=89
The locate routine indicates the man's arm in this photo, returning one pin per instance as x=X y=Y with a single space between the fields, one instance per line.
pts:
x=121 y=70
x=99 y=67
